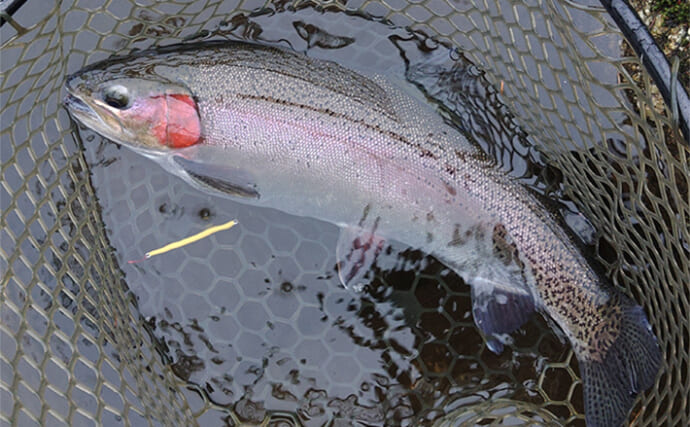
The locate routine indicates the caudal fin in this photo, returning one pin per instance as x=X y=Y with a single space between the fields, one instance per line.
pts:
x=629 y=367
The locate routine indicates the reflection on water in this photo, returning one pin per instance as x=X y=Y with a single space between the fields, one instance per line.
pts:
x=254 y=318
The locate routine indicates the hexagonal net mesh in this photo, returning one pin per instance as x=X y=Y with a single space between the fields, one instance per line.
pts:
x=252 y=326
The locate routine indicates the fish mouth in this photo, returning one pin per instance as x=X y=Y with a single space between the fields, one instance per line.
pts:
x=84 y=113
x=80 y=109
x=88 y=113
x=75 y=105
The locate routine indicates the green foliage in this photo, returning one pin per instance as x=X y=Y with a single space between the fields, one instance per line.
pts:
x=677 y=12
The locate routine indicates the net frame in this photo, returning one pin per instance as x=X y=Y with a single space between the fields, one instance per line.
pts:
x=59 y=295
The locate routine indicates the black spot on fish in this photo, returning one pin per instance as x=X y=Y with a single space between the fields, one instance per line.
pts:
x=450 y=189
x=365 y=213
x=458 y=239
x=427 y=153
x=477 y=231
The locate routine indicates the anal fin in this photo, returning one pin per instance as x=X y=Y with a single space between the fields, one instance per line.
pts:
x=498 y=312
x=501 y=302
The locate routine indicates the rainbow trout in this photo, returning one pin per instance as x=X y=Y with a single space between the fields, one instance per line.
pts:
x=311 y=138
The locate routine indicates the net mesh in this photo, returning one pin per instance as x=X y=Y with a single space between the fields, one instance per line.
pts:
x=82 y=343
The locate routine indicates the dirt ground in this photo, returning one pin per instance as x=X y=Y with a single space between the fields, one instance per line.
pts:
x=669 y=23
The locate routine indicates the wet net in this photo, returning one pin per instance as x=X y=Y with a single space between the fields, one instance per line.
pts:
x=251 y=326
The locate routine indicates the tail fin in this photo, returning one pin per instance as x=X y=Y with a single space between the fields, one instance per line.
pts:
x=629 y=367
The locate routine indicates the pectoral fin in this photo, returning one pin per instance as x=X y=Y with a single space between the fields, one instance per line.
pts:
x=216 y=178
x=356 y=253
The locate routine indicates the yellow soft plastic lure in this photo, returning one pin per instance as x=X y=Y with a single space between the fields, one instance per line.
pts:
x=186 y=241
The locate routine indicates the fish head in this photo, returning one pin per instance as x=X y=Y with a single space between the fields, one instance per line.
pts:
x=143 y=113
x=129 y=100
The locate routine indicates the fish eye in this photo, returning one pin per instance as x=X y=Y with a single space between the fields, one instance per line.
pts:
x=116 y=96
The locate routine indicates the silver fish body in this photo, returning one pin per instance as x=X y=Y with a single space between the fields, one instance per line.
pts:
x=312 y=138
